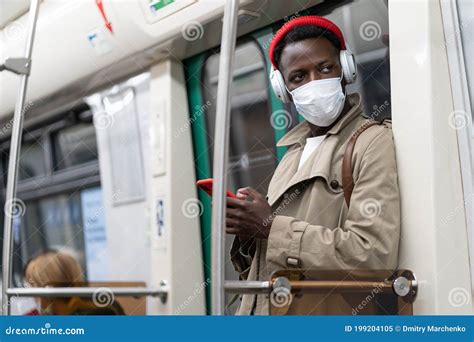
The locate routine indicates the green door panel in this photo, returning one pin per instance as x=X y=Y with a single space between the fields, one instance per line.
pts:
x=194 y=72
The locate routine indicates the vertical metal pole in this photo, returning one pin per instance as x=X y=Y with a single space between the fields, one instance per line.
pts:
x=15 y=145
x=221 y=142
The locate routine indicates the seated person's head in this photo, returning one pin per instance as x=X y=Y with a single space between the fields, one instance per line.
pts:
x=53 y=268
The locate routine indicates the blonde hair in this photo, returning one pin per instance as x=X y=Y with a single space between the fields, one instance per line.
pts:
x=53 y=268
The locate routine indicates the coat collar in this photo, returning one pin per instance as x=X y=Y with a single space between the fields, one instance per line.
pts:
x=287 y=173
x=302 y=131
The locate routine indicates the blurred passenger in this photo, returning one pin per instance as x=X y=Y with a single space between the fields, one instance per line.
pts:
x=58 y=269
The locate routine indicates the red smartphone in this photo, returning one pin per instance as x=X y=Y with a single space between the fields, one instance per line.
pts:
x=206 y=185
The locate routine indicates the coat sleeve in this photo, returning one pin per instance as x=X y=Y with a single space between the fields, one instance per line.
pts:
x=369 y=237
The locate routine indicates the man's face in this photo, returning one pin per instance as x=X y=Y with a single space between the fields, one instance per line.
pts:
x=309 y=60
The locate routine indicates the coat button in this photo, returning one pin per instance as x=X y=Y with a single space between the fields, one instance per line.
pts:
x=334 y=184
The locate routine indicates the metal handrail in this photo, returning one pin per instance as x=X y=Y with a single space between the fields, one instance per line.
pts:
x=399 y=286
x=248 y=286
x=11 y=201
x=88 y=292
x=221 y=142
x=340 y=286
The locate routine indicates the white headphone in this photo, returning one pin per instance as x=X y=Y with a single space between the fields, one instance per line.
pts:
x=349 y=70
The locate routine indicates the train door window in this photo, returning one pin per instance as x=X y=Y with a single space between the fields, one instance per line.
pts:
x=252 y=152
x=32 y=156
x=365 y=27
x=53 y=222
x=366 y=31
x=58 y=163
x=74 y=146
x=252 y=155
x=32 y=163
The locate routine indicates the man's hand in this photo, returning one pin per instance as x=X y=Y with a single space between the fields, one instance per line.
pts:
x=248 y=219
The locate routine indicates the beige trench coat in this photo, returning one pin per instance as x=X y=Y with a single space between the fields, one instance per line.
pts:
x=312 y=227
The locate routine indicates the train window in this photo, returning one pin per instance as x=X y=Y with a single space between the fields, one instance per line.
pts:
x=366 y=31
x=3 y=165
x=74 y=146
x=73 y=222
x=32 y=161
x=51 y=205
x=252 y=154
x=365 y=27
x=53 y=222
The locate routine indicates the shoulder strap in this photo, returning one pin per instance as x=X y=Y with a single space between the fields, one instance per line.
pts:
x=347 y=180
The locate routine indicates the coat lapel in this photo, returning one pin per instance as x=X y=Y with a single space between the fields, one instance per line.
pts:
x=317 y=165
x=319 y=162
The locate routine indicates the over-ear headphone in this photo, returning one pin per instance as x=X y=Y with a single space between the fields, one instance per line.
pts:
x=278 y=85
x=349 y=70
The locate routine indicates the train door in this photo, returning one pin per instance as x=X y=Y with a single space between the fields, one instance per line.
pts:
x=258 y=121
x=258 y=118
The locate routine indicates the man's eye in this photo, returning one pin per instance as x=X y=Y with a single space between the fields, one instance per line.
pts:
x=326 y=68
x=297 y=78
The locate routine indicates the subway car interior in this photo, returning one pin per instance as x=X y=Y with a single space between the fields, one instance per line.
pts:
x=121 y=118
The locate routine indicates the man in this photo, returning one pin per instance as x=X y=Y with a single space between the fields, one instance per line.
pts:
x=305 y=221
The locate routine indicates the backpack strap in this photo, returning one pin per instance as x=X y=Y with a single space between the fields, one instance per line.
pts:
x=347 y=180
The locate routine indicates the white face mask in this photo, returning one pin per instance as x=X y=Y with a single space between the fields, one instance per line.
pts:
x=321 y=101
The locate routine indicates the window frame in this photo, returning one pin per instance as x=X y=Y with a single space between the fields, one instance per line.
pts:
x=249 y=38
x=463 y=106
x=53 y=182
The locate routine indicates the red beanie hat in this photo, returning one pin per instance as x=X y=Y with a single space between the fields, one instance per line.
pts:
x=311 y=20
